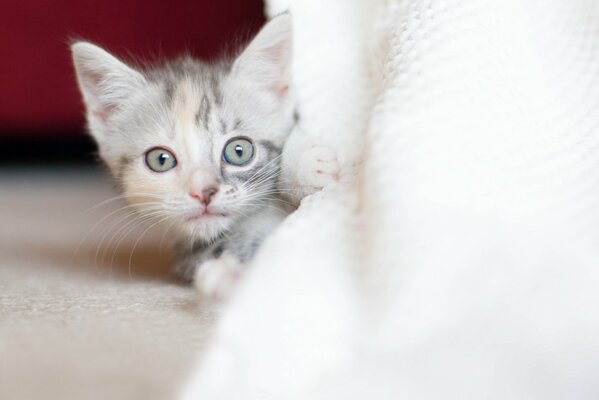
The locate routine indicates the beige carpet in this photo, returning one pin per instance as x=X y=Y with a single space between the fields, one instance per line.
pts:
x=78 y=323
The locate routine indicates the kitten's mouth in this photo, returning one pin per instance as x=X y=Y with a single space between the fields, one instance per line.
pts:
x=206 y=214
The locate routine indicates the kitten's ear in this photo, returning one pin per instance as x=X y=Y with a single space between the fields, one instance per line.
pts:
x=105 y=82
x=267 y=59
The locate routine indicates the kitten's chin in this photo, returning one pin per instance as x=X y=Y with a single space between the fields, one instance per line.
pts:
x=206 y=227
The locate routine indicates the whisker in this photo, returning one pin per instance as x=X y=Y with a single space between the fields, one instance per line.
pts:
x=129 y=219
x=138 y=240
x=143 y=219
x=100 y=246
x=166 y=231
x=137 y=215
x=97 y=224
x=119 y=197
x=260 y=179
x=264 y=167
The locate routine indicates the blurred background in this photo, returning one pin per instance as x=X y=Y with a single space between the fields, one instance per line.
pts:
x=88 y=308
x=41 y=114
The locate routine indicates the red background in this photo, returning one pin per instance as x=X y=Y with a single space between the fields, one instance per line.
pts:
x=38 y=93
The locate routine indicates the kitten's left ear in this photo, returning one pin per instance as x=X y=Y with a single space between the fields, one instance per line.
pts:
x=267 y=59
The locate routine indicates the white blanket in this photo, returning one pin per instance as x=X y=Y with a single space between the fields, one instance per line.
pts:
x=463 y=260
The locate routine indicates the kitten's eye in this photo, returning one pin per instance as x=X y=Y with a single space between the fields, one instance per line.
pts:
x=238 y=151
x=160 y=160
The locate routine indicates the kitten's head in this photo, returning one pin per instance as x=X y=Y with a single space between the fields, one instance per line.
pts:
x=193 y=144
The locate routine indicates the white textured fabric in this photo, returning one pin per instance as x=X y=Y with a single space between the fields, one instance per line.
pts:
x=464 y=263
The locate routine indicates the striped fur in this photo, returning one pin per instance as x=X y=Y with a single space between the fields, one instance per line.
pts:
x=193 y=109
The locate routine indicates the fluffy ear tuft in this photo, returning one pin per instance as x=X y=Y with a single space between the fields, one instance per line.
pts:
x=105 y=82
x=267 y=59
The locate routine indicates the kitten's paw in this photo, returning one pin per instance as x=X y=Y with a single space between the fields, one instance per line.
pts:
x=217 y=277
x=308 y=166
x=318 y=167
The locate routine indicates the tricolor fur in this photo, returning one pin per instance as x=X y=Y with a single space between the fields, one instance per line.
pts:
x=193 y=109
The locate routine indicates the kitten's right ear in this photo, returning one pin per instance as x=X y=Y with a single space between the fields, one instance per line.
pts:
x=267 y=59
x=105 y=82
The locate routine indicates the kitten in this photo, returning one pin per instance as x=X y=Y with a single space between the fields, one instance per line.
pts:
x=197 y=146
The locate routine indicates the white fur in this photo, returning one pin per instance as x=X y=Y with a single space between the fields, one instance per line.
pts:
x=468 y=268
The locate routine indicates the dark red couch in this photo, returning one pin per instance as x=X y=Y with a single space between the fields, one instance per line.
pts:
x=38 y=94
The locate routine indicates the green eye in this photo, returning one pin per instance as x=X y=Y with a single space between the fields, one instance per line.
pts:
x=238 y=152
x=160 y=160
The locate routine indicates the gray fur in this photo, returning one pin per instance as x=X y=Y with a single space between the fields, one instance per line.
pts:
x=223 y=126
x=216 y=89
x=204 y=112
x=123 y=163
x=272 y=147
x=237 y=124
x=193 y=109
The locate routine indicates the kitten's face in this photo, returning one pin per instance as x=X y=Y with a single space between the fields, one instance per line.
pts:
x=193 y=145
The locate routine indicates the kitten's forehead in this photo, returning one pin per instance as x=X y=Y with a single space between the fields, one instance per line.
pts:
x=205 y=76
x=183 y=96
x=220 y=103
x=193 y=93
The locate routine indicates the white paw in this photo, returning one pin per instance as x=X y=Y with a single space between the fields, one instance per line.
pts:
x=318 y=167
x=308 y=166
x=217 y=277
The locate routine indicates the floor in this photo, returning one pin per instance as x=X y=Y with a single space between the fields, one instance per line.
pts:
x=88 y=309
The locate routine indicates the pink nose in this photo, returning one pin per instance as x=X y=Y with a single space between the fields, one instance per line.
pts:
x=205 y=195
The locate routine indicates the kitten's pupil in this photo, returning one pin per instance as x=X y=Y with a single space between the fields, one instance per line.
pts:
x=162 y=159
x=239 y=150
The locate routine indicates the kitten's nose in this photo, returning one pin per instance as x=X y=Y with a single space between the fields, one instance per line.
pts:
x=205 y=195
x=203 y=186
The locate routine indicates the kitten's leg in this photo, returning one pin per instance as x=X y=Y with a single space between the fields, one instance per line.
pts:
x=190 y=257
x=216 y=277
x=213 y=273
